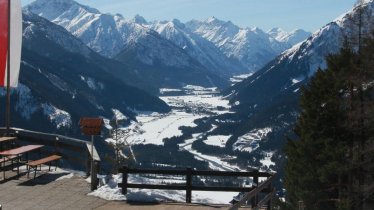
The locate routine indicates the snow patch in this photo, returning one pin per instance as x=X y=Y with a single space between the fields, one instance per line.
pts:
x=219 y=140
x=298 y=79
x=60 y=117
x=92 y=84
x=111 y=191
x=158 y=127
x=250 y=141
x=26 y=103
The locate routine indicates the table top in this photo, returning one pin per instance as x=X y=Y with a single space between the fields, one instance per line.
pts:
x=4 y=139
x=21 y=150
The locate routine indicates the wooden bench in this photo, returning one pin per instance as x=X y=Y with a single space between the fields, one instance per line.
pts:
x=34 y=164
x=3 y=160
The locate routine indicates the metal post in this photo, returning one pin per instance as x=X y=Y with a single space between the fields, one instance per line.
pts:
x=93 y=181
x=189 y=185
x=7 y=114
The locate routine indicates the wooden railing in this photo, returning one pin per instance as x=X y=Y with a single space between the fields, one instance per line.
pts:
x=75 y=152
x=251 y=192
x=254 y=195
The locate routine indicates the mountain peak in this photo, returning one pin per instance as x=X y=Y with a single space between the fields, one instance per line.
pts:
x=258 y=31
x=211 y=19
x=177 y=23
x=214 y=20
x=276 y=30
x=51 y=9
x=139 y=20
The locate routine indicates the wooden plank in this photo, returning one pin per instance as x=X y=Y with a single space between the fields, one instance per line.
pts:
x=72 y=146
x=222 y=189
x=198 y=173
x=44 y=160
x=6 y=139
x=154 y=171
x=21 y=150
x=265 y=200
x=252 y=193
x=95 y=154
x=231 y=173
x=6 y=159
x=155 y=186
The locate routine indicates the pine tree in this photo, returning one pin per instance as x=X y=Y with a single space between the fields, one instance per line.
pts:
x=317 y=170
x=330 y=165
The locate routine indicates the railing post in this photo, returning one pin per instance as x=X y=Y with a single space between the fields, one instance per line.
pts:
x=124 y=180
x=269 y=202
x=94 y=179
x=88 y=164
x=255 y=183
x=189 y=185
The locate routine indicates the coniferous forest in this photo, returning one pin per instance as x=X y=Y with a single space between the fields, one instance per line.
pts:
x=330 y=164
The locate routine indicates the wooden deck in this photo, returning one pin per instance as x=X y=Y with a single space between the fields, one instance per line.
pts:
x=52 y=191
x=47 y=192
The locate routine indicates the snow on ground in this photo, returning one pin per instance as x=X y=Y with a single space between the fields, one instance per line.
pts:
x=215 y=163
x=60 y=117
x=267 y=159
x=198 y=90
x=111 y=191
x=219 y=140
x=158 y=127
x=298 y=79
x=238 y=78
x=199 y=100
x=207 y=101
x=169 y=90
x=91 y=83
x=250 y=141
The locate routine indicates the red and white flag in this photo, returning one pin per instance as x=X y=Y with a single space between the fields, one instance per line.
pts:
x=15 y=41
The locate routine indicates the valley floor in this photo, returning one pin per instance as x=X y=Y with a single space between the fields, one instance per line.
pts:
x=188 y=104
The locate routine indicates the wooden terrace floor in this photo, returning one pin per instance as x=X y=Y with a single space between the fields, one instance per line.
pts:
x=52 y=191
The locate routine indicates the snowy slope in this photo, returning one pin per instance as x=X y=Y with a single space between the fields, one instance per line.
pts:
x=286 y=72
x=104 y=33
x=54 y=92
x=289 y=38
x=128 y=41
x=252 y=46
x=269 y=97
x=197 y=47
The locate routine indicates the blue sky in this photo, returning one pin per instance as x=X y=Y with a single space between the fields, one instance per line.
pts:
x=266 y=14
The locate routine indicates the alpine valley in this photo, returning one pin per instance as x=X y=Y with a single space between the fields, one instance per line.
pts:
x=206 y=94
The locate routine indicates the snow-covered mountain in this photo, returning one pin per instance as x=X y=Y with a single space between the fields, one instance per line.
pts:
x=56 y=92
x=298 y=63
x=104 y=33
x=197 y=47
x=114 y=37
x=252 y=46
x=289 y=38
x=269 y=98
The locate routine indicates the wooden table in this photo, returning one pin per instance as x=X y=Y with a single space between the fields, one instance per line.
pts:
x=20 y=151
x=4 y=140
x=7 y=139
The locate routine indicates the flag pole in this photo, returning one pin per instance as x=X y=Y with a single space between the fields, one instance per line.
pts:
x=8 y=75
